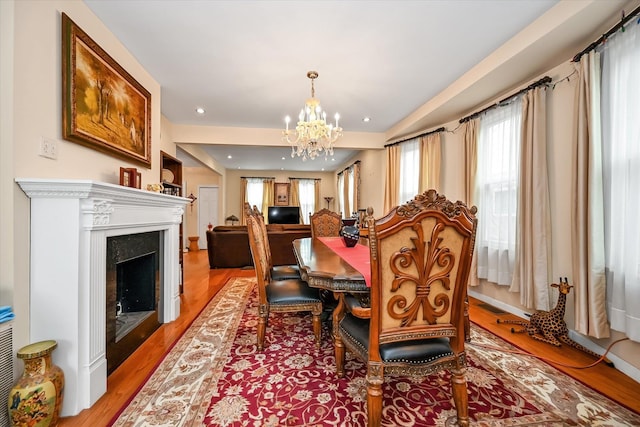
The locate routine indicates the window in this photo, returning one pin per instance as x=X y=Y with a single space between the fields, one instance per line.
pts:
x=307 y=192
x=496 y=192
x=255 y=190
x=621 y=178
x=409 y=170
x=341 y=201
x=351 y=190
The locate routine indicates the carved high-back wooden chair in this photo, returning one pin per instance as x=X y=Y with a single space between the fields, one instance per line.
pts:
x=282 y=296
x=278 y=272
x=325 y=223
x=420 y=261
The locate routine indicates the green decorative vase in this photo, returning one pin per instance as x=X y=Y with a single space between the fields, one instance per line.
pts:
x=36 y=398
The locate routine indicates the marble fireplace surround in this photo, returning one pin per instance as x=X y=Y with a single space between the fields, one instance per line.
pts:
x=70 y=223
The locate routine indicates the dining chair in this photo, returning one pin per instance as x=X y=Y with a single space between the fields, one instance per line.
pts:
x=414 y=323
x=278 y=272
x=325 y=223
x=281 y=296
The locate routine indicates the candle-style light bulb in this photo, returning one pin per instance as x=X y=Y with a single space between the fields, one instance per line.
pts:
x=287 y=119
x=337 y=118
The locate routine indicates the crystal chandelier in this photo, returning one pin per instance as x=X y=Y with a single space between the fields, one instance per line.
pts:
x=312 y=134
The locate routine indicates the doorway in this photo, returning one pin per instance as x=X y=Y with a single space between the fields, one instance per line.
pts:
x=207 y=211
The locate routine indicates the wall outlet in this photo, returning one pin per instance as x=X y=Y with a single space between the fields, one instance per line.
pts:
x=48 y=148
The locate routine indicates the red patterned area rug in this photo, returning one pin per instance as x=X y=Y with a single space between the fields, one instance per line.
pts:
x=215 y=377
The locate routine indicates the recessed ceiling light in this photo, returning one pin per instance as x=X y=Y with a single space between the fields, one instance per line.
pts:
x=283 y=157
x=200 y=110
x=366 y=119
x=333 y=160
x=229 y=156
x=322 y=169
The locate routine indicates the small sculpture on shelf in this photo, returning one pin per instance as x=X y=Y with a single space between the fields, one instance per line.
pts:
x=156 y=188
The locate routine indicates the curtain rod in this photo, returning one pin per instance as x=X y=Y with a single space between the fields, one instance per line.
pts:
x=315 y=179
x=606 y=35
x=357 y=162
x=259 y=177
x=441 y=129
x=542 y=81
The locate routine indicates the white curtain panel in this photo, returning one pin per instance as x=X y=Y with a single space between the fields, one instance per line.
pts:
x=621 y=160
x=497 y=191
x=340 y=193
x=307 y=194
x=255 y=191
x=409 y=170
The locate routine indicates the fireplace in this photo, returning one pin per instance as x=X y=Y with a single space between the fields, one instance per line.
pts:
x=73 y=222
x=133 y=290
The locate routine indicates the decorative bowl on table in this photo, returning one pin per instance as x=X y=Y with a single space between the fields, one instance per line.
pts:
x=350 y=235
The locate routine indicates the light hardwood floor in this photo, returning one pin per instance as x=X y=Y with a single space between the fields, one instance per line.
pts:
x=201 y=284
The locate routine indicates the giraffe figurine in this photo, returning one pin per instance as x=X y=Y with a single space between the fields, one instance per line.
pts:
x=549 y=326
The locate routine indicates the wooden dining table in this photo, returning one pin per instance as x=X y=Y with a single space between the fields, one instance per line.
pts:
x=321 y=267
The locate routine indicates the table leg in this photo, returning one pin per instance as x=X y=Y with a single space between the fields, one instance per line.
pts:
x=338 y=314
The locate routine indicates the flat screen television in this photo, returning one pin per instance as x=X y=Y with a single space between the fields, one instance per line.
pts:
x=283 y=215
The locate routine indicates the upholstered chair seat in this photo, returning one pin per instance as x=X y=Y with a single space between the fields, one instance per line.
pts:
x=290 y=292
x=416 y=352
x=283 y=272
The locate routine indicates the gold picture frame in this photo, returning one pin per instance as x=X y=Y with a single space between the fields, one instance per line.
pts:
x=103 y=106
x=281 y=193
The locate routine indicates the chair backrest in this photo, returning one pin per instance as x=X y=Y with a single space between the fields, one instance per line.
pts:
x=420 y=261
x=258 y=254
x=325 y=223
x=259 y=217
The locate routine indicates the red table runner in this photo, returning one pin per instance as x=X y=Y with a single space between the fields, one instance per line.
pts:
x=357 y=257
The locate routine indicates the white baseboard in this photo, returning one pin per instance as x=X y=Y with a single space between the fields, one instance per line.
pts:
x=620 y=364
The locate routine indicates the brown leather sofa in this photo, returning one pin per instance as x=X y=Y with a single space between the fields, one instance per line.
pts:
x=228 y=246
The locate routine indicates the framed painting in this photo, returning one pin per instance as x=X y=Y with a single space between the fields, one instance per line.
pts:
x=281 y=193
x=103 y=106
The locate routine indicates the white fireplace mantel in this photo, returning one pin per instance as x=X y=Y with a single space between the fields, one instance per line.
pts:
x=70 y=223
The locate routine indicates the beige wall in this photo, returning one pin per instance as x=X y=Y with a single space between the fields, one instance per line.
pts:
x=30 y=79
x=31 y=109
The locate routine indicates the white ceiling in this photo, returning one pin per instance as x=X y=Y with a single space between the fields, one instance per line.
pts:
x=245 y=62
